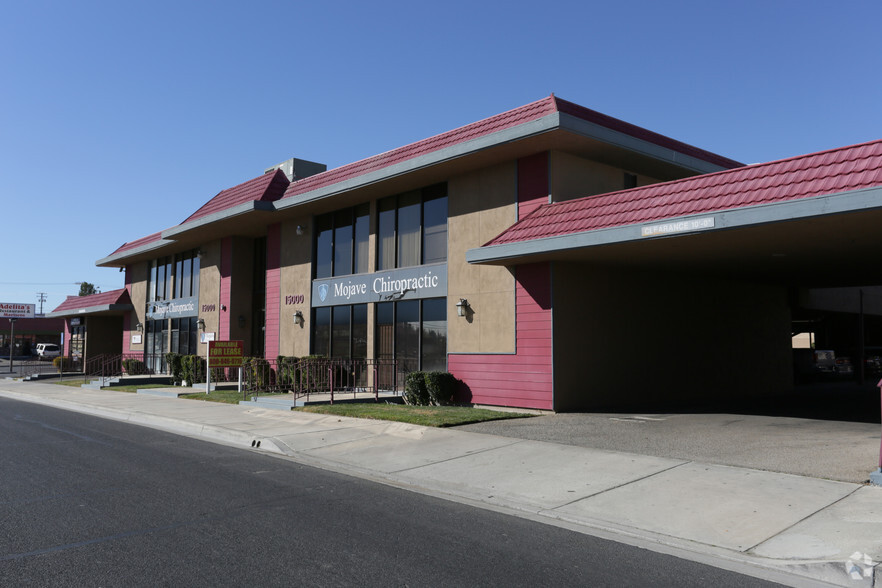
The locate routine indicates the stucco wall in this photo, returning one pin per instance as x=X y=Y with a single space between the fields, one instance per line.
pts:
x=480 y=206
x=640 y=339
x=575 y=177
x=137 y=277
x=296 y=275
x=209 y=287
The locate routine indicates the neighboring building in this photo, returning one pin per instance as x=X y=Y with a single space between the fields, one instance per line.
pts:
x=93 y=324
x=589 y=264
x=28 y=332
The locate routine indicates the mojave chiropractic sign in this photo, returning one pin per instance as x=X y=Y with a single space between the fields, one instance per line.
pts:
x=425 y=281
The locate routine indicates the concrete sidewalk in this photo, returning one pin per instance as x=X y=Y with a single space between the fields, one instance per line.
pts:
x=788 y=528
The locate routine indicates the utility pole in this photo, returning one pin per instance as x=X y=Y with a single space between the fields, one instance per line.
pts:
x=41 y=298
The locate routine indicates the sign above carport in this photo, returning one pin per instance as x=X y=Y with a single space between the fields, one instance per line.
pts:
x=683 y=226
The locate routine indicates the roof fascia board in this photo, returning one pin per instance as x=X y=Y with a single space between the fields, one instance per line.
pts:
x=141 y=249
x=829 y=204
x=99 y=309
x=593 y=130
x=549 y=122
x=239 y=209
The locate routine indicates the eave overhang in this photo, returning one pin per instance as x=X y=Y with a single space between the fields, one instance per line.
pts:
x=238 y=220
x=554 y=131
x=101 y=309
x=146 y=251
x=807 y=232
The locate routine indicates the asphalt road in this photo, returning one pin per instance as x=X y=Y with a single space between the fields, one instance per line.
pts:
x=93 y=502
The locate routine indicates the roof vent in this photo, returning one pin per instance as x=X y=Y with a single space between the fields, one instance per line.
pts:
x=297 y=169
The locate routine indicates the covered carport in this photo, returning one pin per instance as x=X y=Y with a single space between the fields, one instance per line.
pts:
x=94 y=325
x=690 y=291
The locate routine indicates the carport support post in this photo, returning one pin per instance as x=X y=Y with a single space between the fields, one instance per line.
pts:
x=876 y=477
x=11 y=341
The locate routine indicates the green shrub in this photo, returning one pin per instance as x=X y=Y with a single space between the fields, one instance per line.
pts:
x=192 y=369
x=415 y=391
x=258 y=374
x=440 y=387
x=429 y=388
x=134 y=367
x=175 y=366
x=62 y=363
x=288 y=372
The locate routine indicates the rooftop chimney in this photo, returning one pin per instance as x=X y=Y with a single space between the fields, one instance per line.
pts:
x=297 y=169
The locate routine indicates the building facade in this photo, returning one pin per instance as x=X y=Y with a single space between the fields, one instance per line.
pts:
x=457 y=253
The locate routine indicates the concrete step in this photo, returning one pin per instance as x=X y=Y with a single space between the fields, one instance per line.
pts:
x=273 y=402
x=171 y=392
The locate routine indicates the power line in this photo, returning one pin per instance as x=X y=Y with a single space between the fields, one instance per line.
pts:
x=41 y=298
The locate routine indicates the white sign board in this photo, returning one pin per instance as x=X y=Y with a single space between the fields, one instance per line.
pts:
x=17 y=310
x=683 y=226
x=206 y=337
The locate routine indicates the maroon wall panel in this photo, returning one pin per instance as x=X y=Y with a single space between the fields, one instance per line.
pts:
x=522 y=379
x=273 y=289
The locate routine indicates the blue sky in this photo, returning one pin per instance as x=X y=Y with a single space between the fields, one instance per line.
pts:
x=119 y=119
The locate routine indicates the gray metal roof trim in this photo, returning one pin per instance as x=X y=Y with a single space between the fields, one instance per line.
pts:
x=117 y=257
x=238 y=210
x=531 y=128
x=100 y=309
x=828 y=204
x=593 y=130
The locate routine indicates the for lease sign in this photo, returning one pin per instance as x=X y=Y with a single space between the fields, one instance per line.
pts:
x=17 y=310
x=225 y=353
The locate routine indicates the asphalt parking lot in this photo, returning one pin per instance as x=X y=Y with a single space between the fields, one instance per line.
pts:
x=825 y=431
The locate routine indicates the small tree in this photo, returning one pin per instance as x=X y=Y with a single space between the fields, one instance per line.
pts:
x=87 y=289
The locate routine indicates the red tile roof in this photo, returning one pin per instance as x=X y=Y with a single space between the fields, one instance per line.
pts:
x=517 y=116
x=120 y=296
x=816 y=174
x=266 y=188
x=138 y=242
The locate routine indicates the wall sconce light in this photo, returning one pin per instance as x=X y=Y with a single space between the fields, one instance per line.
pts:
x=298 y=318
x=139 y=327
x=462 y=307
x=223 y=306
x=241 y=321
x=200 y=323
x=199 y=253
x=299 y=230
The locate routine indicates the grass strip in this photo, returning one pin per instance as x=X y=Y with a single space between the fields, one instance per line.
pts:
x=427 y=416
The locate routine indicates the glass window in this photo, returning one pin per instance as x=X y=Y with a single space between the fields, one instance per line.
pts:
x=386 y=233
x=324 y=246
x=412 y=228
x=321 y=338
x=359 y=331
x=414 y=332
x=194 y=282
x=343 y=242
x=409 y=229
x=407 y=334
x=434 y=335
x=341 y=331
x=435 y=230
x=151 y=282
x=385 y=330
x=362 y=236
